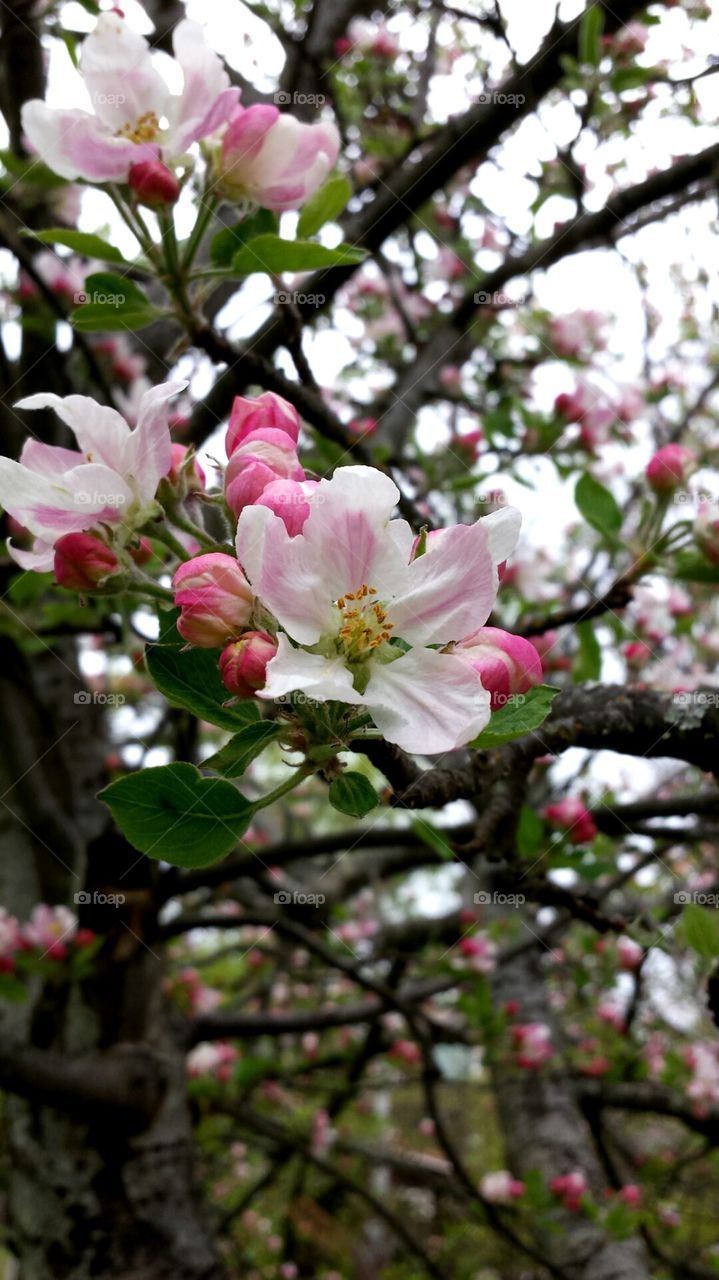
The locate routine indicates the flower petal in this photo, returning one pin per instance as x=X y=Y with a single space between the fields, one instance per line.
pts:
x=206 y=101
x=427 y=702
x=503 y=531
x=48 y=460
x=120 y=75
x=101 y=432
x=346 y=533
x=324 y=679
x=287 y=579
x=40 y=558
x=148 y=451
x=449 y=591
x=75 y=144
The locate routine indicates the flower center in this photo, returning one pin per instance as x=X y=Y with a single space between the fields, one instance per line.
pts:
x=363 y=624
x=145 y=129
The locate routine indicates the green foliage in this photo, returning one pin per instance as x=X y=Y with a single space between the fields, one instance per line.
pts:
x=353 y=794
x=113 y=302
x=520 y=716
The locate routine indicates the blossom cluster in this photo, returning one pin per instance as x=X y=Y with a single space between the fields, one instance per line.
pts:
x=50 y=930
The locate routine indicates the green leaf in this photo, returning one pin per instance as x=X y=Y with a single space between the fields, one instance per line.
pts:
x=598 y=506
x=590 y=35
x=12 y=989
x=80 y=242
x=693 y=568
x=113 y=302
x=324 y=206
x=632 y=78
x=174 y=814
x=225 y=244
x=531 y=833
x=701 y=929
x=433 y=837
x=524 y=713
x=32 y=170
x=588 y=662
x=352 y=794
x=232 y=759
x=189 y=678
x=274 y=255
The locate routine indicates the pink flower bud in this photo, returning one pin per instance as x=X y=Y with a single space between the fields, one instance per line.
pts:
x=215 y=598
x=505 y=664
x=153 y=184
x=671 y=466
x=195 y=477
x=288 y=500
x=406 y=1051
x=570 y=1187
x=83 y=562
x=274 y=159
x=631 y=1194
x=573 y=818
x=629 y=954
x=243 y=664
x=500 y=1187
x=268 y=410
x=263 y=456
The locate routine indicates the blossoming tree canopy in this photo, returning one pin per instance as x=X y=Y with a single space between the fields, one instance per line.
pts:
x=358 y=694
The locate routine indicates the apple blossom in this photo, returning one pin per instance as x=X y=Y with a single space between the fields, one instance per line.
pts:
x=264 y=455
x=274 y=159
x=215 y=599
x=131 y=103
x=10 y=940
x=360 y=615
x=154 y=184
x=191 y=472
x=289 y=500
x=533 y=1042
x=499 y=1187
x=629 y=954
x=111 y=480
x=480 y=952
x=49 y=929
x=670 y=466
x=83 y=562
x=573 y=818
x=505 y=664
x=243 y=664
x=706 y=530
x=267 y=410
x=212 y=1059
x=630 y=1194
x=570 y=1187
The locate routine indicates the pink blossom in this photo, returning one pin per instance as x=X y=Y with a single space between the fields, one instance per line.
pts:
x=573 y=818
x=11 y=940
x=154 y=184
x=505 y=664
x=49 y=929
x=500 y=1187
x=405 y=1051
x=670 y=466
x=577 y=334
x=570 y=1187
x=612 y=1014
x=212 y=1059
x=274 y=159
x=533 y=1042
x=131 y=101
x=215 y=599
x=630 y=1194
x=264 y=455
x=480 y=951
x=83 y=562
x=629 y=954
x=345 y=587
x=243 y=664
x=703 y=1087
x=706 y=531
x=186 y=468
x=289 y=500
x=111 y=480
x=267 y=410
x=322 y=1133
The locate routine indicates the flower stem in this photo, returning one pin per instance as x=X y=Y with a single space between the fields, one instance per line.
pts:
x=299 y=775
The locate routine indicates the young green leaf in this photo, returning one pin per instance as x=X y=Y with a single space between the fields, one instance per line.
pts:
x=524 y=713
x=701 y=930
x=588 y=663
x=174 y=814
x=590 y=36
x=434 y=838
x=232 y=759
x=90 y=246
x=226 y=243
x=189 y=678
x=274 y=255
x=112 y=302
x=598 y=506
x=324 y=206
x=351 y=793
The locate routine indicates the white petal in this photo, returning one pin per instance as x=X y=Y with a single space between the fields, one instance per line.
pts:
x=503 y=531
x=427 y=702
x=323 y=679
x=347 y=533
x=121 y=78
x=39 y=559
x=286 y=579
x=148 y=451
x=448 y=592
x=101 y=432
